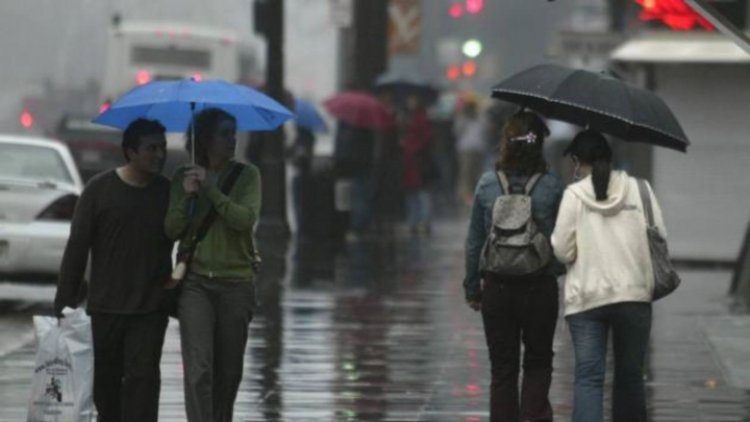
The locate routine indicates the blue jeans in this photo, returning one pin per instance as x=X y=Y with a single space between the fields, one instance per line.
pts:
x=418 y=208
x=630 y=324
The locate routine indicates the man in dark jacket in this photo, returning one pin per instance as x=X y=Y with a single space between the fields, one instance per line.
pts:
x=119 y=220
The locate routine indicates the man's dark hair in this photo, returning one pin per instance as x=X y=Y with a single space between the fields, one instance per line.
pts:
x=131 y=138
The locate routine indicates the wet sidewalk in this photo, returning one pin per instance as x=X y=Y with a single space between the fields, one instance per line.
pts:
x=378 y=331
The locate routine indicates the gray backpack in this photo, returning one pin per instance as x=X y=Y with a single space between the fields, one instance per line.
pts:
x=514 y=246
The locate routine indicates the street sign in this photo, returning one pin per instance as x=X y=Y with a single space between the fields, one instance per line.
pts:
x=404 y=26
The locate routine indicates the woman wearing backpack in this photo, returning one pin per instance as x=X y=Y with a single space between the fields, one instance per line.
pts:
x=516 y=309
x=600 y=234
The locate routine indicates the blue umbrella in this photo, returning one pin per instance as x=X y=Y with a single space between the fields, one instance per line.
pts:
x=173 y=104
x=308 y=117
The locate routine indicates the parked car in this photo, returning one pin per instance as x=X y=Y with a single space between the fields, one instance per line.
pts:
x=97 y=148
x=39 y=187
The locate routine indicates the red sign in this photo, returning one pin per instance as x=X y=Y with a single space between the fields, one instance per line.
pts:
x=675 y=13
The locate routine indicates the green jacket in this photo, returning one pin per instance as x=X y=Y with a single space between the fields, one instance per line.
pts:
x=228 y=249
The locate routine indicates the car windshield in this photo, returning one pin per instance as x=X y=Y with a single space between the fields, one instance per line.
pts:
x=31 y=162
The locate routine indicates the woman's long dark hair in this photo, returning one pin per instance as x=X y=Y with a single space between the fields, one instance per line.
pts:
x=206 y=123
x=519 y=156
x=591 y=148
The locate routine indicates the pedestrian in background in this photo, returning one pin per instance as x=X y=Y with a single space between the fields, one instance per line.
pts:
x=418 y=170
x=119 y=220
x=469 y=128
x=301 y=156
x=600 y=234
x=386 y=193
x=516 y=310
x=217 y=300
x=353 y=159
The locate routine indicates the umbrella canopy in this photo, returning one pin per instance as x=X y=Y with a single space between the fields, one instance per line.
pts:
x=595 y=100
x=359 y=109
x=173 y=104
x=308 y=117
x=404 y=85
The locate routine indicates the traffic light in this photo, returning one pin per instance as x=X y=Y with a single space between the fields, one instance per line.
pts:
x=456 y=10
x=453 y=72
x=469 y=68
x=474 y=7
x=472 y=48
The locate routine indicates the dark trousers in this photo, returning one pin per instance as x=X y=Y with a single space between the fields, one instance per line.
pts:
x=214 y=319
x=519 y=312
x=127 y=353
x=630 y=325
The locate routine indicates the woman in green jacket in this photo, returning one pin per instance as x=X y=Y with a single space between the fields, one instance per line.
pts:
x=217 y=300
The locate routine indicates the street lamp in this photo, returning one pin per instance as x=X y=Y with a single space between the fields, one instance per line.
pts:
x=472 y=48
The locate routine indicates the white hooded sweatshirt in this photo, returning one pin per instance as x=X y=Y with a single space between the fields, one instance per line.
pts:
x=604 y=244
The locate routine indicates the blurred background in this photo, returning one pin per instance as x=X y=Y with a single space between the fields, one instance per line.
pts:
x=371 y=325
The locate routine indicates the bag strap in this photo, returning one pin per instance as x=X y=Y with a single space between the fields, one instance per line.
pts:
x=646 y=201
x=503 y=180
x=202 y=230
x=530 y=184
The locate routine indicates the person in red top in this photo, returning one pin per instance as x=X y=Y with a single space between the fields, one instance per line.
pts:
x=419 y=169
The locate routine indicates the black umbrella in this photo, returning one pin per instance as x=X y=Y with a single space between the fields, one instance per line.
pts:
x=595 y=100
x=403 y=85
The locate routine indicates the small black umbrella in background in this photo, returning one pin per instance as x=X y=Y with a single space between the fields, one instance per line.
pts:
x=595 y=100
x=403 y=84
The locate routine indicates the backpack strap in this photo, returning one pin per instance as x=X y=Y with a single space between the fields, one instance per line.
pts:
x=503 y=180
x=531 y=184
x=646 y=201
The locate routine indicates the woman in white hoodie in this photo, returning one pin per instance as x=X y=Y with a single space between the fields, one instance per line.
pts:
x=600 y=234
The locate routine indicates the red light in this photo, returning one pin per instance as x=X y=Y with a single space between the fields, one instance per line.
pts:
x=674 y=13
x=197 y=77
x=456 y=10
x=474 y=6
x=473 y=389
x=104 y=107
x=227 y=41
x=453 y=72
x=469 y=68
x=26 y=119
x=142 y=77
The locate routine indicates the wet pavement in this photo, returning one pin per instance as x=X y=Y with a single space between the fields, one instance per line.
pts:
x=377 y=330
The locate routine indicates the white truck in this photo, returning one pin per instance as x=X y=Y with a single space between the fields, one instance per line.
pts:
x=139 y=52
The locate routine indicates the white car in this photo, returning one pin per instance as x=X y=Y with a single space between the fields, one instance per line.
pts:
x=39 y=187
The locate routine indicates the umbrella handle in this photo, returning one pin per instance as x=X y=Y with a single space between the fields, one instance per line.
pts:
x=192 y=133
x=192 y=200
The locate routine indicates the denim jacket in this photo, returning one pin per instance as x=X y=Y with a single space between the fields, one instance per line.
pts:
x=545 y=201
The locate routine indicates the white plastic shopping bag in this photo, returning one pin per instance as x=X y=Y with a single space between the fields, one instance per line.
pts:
x=63 y=380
